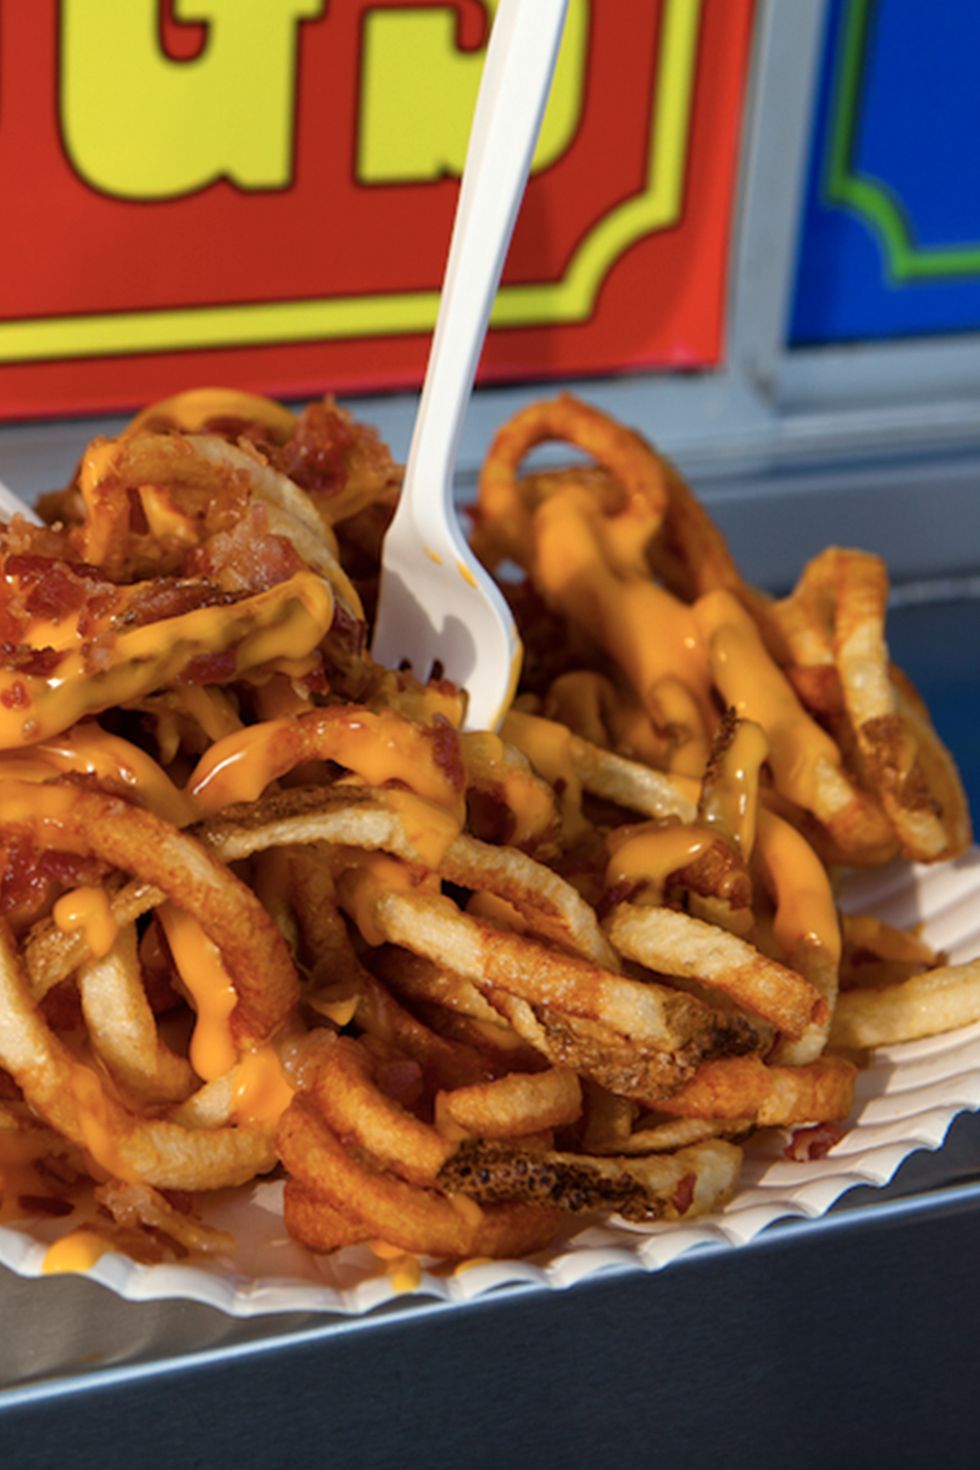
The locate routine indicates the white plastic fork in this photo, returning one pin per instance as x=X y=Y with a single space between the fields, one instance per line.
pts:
x=438 y=607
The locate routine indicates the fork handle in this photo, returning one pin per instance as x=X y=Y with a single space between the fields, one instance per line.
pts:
x=513 y=92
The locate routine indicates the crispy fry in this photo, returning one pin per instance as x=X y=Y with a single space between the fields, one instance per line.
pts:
x=938 y=1000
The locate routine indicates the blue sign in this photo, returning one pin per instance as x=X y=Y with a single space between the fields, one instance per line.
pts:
x=890 y=242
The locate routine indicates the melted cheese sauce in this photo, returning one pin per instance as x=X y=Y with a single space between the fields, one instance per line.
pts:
x=200 y=966
x=88 y=909
x=649 y=853
x=78 y=1251
x=805 y=908
x=548 y=746
x=731 y=798
x=286 y=622
x=430 y=829
x=88 y=750
x=262 y=1091
x=751 y=683
x=377 y=748
x=529 y=801
x=598 y=578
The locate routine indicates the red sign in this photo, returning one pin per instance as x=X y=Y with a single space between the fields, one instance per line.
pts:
x=261 y=192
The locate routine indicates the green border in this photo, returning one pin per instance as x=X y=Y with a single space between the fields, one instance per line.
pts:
x=869 y=198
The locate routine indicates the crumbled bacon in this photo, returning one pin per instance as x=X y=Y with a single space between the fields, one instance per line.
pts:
x=247 y=557
x=171 y=597
x=814 y=1142
x=28 y=876
x=315 y=458
x=447 y=751
x=16 y=696
x=684 y=1193
x=33 y=662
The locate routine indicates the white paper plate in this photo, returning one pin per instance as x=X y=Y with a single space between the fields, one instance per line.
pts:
x=905 y=1101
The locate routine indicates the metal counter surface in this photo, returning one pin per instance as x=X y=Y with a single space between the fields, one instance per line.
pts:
x=854 y=1335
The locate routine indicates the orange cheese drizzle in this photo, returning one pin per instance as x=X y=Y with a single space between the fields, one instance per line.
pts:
x=604 y=587
x=77 y=1251
x=529 y=802
x=377 y=749
x=732 y=801
x=752 y=684
x=262 y=1093
x=89 y=910
x=805 y=908
x=548 y=746
x=649 y=853
x=89 y=750
x=199 y=963
x=286 y=622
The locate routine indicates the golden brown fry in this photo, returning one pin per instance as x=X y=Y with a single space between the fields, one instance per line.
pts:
x=513 y=1105
x=416 y=1219
x=677 y=944
x=939 y=1000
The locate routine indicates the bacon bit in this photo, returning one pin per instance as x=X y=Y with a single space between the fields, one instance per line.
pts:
x=317 y=681
x=684 y=1193
x=245 y=557
x=26 y=875
x=813 y=1143
x=97 y=611
x=16 y=697
x=44 y=1204
x=58 y=593
x=13 y=622
x=171 y=597
x=27 y=566
x=34 y=662
x=209 y=668
x=447 y=751
x=315 y=458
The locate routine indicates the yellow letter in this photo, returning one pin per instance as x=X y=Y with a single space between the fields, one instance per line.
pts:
x=139 y=125
x=418 y=93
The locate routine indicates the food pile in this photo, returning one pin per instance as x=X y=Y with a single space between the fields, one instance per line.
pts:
x=265 y=906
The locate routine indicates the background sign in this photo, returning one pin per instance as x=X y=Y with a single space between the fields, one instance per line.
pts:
x=261 y=192
x=891 y=233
